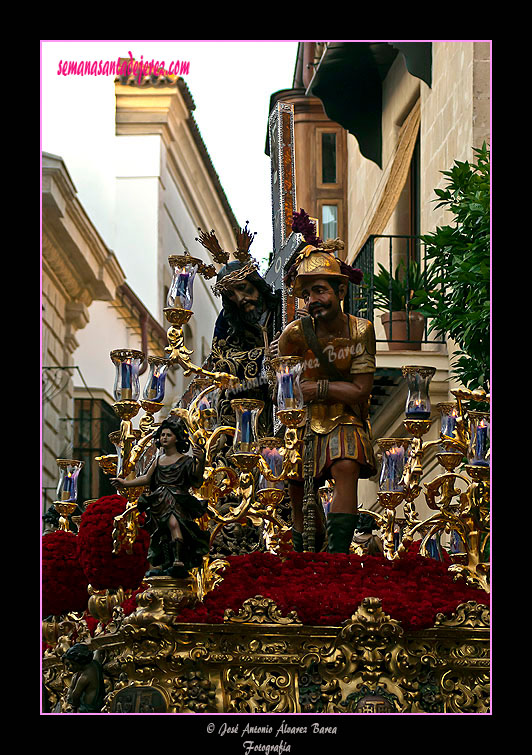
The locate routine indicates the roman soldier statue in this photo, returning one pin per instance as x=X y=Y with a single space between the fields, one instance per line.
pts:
x=338 y=350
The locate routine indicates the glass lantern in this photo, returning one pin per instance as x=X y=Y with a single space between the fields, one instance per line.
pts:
x=269 y=449
x=127 y=363
x=205 y=401
x=448 y=413
x=326 y=493
x=418 y=402
x=288 y=370
x=479 y=443
x=247 y=415
x=155 y=384
x=67 y=488
x=394 y=454
x=181 y=292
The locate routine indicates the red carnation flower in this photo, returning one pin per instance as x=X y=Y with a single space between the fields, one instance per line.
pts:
x=64 y=585
x=104 y=569
x=326 y=589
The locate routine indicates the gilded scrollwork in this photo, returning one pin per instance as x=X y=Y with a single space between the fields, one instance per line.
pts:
x=261 y=661
x=259 y=610
x=470 y=614
x=260 y=689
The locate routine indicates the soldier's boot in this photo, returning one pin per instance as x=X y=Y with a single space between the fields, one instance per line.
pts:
x=340 y=531
x=297 y=541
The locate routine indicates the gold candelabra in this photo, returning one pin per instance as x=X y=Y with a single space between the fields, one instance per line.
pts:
x=257 y=507
x=465 y=512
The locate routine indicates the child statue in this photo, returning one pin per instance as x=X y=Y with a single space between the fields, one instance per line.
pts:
x=87 y=688
x=177 y=543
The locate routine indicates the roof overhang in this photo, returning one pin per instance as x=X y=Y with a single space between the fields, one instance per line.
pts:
x=348 y=81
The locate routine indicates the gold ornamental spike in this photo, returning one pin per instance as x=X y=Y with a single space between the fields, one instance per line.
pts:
x=210 y=242
x=244 y=239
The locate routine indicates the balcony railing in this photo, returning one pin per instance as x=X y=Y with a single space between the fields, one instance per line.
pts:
x=389 y=251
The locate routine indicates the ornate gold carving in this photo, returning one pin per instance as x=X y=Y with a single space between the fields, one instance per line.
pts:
x=259 y=610
x=260 y=689
x=208 y=576
x=102 y=602
x=260 y=661
x=163 y=600
x=470 y=614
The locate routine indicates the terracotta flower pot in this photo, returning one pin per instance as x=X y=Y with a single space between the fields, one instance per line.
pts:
x=405 y=335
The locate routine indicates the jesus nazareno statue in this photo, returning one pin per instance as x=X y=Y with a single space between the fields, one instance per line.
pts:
x=244 y=338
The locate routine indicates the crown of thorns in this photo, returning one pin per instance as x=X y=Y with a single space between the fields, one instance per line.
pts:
x=231 y=279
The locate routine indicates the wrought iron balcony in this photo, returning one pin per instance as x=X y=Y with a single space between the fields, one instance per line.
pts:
x=379 y=294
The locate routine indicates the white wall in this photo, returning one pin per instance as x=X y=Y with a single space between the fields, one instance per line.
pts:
x=103 y=333
x=137 y=161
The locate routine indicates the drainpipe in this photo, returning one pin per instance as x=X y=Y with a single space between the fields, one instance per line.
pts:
x=308 y=60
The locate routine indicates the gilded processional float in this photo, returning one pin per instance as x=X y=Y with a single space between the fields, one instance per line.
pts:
x=397 y=629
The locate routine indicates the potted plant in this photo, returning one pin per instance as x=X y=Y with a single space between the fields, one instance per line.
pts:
x=397 y=294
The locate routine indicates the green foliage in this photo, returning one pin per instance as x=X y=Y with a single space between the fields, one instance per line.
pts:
x=458 y=258
x=401 y=290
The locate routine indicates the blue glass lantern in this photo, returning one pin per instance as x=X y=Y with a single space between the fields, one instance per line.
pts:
x=181 y=291
x=478 y=454
x=127 y=363
x=67 y=488
x=155 y=384
x=418 y=402
x=246 y=433
x=394 y=455
x=288 y=371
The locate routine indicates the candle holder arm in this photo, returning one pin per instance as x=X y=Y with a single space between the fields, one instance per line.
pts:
x=125 y=530
x=213 y=438
x=138 y=448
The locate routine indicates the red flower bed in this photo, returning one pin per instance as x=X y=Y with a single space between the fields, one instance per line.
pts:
x=64 y=585
x=104 y=569
x=325 y=589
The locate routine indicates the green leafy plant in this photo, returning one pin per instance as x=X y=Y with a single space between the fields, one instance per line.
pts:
x=458 y=258
x=402 y=290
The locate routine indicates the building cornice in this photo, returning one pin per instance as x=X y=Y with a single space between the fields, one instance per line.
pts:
x=167 y=111
x=72 y=246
